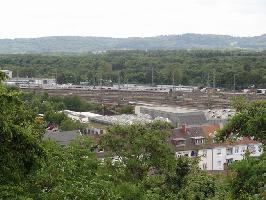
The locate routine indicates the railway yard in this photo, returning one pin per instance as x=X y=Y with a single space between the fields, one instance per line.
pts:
x=195 y=99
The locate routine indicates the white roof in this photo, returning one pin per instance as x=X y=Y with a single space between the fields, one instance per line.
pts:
x=171 y=109
x=89 y=114
x=82 y=114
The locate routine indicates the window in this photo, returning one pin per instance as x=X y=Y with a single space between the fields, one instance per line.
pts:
x=178 y=154
x=219 y=163
x=236 y=149
x=229 y=151
x=229 y=161
x=243 y=149
x=219 y=152
x=260 y=148
x=199 y=141
x=100 y=150
x=185 y=153
x=180 y=142
x=252 y=149
x=194 y=153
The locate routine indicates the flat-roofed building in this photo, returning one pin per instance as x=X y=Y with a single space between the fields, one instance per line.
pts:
x=30 y=82
x=176 y=115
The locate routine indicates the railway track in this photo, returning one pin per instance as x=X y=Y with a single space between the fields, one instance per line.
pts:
x=190 y=100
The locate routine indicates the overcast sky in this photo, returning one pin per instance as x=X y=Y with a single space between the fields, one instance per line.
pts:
x=127 y=18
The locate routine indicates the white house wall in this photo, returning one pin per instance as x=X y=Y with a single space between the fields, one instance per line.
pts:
x=235 y=156
x=215 y=160
x=205 y=160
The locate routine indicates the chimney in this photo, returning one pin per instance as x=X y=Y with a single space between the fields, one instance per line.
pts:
x=184 y=128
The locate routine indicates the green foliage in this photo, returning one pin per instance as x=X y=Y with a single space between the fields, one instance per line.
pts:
x=73 y=172
x=20 y=148
x=198 y=186
x=188 y=67
x=43 y=102
x=145 y=158
x=55 y=117
x=21 y=151
x=184 y=167
x=141 y=147
x=69 y=124
x=50 y=107
x=69 y=173
x=239 y=103
x=125 y=109
x=248 y=180
x=2 y=76
x=64 y=123
x=250 y=122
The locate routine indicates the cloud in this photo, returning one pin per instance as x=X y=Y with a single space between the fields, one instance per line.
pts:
x=123 y=18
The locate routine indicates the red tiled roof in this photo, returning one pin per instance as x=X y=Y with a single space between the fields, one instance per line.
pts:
x=189 y=132
x=207 y=129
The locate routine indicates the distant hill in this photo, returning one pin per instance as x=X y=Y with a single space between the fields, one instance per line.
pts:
x=75 y=44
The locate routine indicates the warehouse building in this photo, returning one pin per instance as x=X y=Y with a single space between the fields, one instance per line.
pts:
x=176 y=115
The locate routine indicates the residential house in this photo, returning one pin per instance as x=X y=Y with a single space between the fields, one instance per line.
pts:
x=198 y=141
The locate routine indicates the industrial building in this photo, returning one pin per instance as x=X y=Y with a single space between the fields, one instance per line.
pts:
x=176 y=115
x=30 y=82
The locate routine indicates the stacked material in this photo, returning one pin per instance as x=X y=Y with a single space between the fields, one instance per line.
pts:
x=122 y=119
x=220 y=113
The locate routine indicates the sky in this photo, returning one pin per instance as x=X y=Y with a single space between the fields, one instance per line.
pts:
x=130 y=18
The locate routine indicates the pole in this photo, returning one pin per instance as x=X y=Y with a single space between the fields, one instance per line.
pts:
x=56 y=76
x=152 y=76
x=208 y=80
x=101 y=80
x=94 y=81
x=119 y=80
x=173 y=80
x=214 y=79
x=234 y=83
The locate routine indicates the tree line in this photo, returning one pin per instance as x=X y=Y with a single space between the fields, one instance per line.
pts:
x=187 y=67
